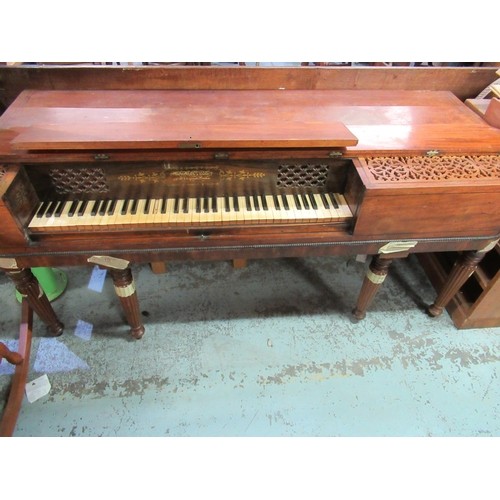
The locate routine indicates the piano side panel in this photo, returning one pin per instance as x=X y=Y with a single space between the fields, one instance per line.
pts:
x=354 y=191
x=417 y=215
x=10 y=234
x=18 y=201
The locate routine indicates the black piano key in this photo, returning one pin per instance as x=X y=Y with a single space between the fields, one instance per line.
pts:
x=94 y=206
x=72 y=208
x=41 y=210
x=50 y=209
x=176 y=205
x=324 y=199
x=305 y=201
x=298 y=206
x=227 y=205
x=236 y=204
x=206 y=204
x=264 y=202
x=198 y=205
x=286 y=206
x=59 y=208
x=248 y=203
x=133 y=208
x=276 y=200
x=147 y=206
x=185 y=206
x=82 y=208
x=124 y=209
x=256 y=203
x=111 y=207
x=102 y=207
x=334 y=201
x=163 y=209
x=214 y=204
x=312 y=199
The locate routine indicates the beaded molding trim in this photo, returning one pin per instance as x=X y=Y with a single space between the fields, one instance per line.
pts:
x=436 y=168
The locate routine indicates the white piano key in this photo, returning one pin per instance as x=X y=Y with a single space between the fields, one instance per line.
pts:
x=64 y=220
x=271 y=216
x=87 y=221
x=343 y=206
x=324 y=214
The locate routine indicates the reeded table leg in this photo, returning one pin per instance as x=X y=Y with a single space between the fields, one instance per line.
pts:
x=27 y=285
x=375 y=276
x=460 y=273
x=125 y=289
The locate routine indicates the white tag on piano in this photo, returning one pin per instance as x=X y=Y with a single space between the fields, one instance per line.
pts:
x=97 y=278
x=37 y=388
x=397 y=246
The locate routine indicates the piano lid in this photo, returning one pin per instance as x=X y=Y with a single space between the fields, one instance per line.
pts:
x=363 y=122
x=76 y=120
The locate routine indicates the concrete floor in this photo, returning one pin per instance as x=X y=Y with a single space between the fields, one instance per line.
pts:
x=267 y=350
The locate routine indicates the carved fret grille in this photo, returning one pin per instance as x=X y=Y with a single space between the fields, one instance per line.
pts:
x=302 y=175
x=437 y=168
x=87 y=180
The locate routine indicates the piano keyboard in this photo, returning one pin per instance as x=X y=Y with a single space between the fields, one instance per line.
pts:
x=252 y=209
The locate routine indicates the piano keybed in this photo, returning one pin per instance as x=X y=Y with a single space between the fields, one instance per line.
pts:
x=105 y=214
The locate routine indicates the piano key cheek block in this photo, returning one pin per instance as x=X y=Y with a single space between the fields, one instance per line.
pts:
x=303 y=175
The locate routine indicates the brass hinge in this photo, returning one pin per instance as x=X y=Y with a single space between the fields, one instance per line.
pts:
x=101 y=156
x=433 y=152
x=335 y=154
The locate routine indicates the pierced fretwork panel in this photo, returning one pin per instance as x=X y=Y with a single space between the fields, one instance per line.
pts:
x=437 y=168
x=302 y=175
x=87 y=180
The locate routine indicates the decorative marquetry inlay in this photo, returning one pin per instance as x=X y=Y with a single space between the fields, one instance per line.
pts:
x=436 y=168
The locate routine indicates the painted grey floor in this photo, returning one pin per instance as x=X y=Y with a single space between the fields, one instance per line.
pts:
x=268 y=350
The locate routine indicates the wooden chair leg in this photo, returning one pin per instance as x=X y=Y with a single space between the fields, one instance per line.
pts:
x=16 y=394
x=14 y=358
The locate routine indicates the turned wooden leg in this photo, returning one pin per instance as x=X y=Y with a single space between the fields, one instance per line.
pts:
x=27 y=285
x=375 y=276
x=125 y=289
x=460 y=273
